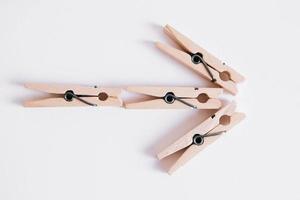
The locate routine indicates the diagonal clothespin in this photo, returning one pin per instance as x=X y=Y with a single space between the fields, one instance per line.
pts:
x=201 y=61
x=203 y=135
x=74 y=95
x=177 y=98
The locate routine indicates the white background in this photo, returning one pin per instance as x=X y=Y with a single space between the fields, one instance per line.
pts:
x=109 y=153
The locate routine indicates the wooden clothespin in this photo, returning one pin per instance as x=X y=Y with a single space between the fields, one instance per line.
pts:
x=74 y=95
x=177 y=97
x=201 y=61
x=203 y=135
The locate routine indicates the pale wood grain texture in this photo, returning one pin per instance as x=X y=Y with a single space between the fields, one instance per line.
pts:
x=218 y=68
x=188 y=94
x=58 y=90
x=160 y=91
x=194 y=149
x=210 y=125
x=201 y=129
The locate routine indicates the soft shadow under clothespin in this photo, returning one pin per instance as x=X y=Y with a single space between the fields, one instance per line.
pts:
x=202 y=135
x=74 y=95
x=176 y=98
x=201 y=61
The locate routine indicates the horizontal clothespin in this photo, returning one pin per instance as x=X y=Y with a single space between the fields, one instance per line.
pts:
x=201 y=61
x=177 y=97
x=74 y=95
x=203 y=135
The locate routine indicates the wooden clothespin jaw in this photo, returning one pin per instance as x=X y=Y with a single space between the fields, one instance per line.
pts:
x=74 y=95
x=177 y=98
x=201 y=61
x=203 y=135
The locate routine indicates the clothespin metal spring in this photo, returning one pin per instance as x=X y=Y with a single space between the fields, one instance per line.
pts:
x=69 y=95
x=170 y=98
x=197 y=58
x=199 y=139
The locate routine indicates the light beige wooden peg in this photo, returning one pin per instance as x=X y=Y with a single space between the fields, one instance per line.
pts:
x=176 y=98
x=74 y=95
x=201 y=61
x=202 y=135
